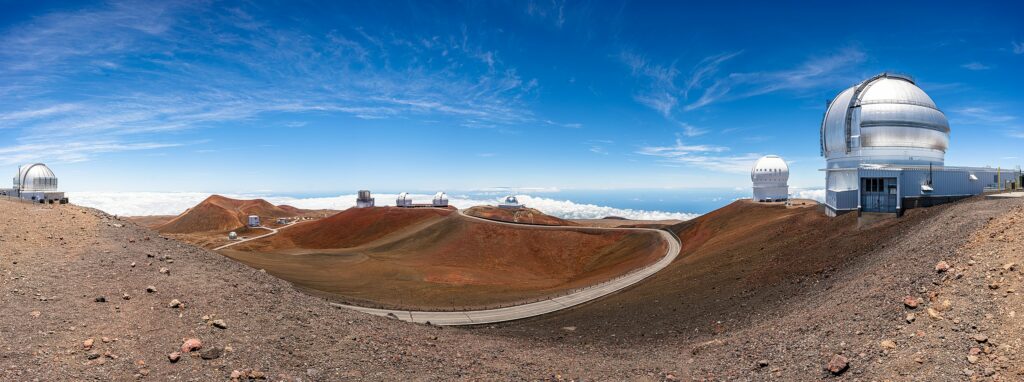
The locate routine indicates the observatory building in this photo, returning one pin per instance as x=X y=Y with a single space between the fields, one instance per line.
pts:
x=440 y=199
x=403 y=200
x=364 y=200
x=884 y=141
x=37 y=183
x=770 y=176
x=511 y=203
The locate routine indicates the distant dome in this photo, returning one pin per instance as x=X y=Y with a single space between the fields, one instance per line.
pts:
x=440 y=196
x=886 y=119
x=511 y=199
x=770 y=170
x=770 y=177
x=35 y=177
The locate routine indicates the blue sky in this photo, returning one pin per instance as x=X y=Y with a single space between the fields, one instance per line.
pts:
x=336 y=96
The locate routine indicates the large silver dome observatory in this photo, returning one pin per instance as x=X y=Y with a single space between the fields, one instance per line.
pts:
x=885 y=119
x=884 y=141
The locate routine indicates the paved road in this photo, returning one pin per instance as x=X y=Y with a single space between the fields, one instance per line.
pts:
x=536 y=308
x=272 y=232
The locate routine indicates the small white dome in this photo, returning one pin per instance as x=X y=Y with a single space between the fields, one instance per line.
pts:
x=35 y=177
x=511 y=199
x=770 y=169
x=440 y=196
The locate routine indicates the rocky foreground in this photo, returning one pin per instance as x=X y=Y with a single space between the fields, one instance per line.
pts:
x=88 y=296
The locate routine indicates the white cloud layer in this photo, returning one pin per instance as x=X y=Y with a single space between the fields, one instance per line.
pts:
x=814 y=194
x=173 y=203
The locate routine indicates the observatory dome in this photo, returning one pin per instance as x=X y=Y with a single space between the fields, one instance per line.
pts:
x=886 y=119
x=770 y=170
x=35 y=177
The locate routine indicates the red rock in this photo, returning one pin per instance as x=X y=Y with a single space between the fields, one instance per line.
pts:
x=910 y=302
x=87 y=344
x=174 y=357
x=191 y=344
x=942 y=266
x=838 y=364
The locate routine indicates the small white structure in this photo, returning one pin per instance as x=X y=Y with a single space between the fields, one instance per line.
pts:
x=403 y=200
x=770 y=176
x=440 y=199
x=233 y=235
x=254 y=221
x=283 y=221
x=511 y=202
x=364 y=200
x=37 y=183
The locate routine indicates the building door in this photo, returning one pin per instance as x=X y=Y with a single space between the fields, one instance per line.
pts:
x=878 y=194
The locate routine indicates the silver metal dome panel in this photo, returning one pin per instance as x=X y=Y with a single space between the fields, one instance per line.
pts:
x=886 y=111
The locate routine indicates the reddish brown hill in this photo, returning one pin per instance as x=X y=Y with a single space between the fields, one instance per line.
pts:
x=354 y=227
x=429 y=258
x=218 y=213
x=521 y=215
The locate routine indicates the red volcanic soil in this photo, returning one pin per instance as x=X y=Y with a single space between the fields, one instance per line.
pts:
x=520 y=215
x=218 y=214
x=436 y=258
x=354 y=227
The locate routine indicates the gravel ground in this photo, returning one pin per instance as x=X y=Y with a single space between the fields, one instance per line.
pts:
x=57 y=261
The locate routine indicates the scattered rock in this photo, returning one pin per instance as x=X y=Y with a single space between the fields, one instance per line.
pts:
x=191 y=344
x=165 y=271
x=934 y=314
x=174 y=304
x=132 y=264
x=942 y=266
x=151 y=289
x=125 y=296
x=910 y=302
x=980 y=337
x=211 y=352
x=973 y=359
x=838 y=364
x=237 y=374
x=35 y=314
x=762 y=363
x=1009 y=266
x=888 y=344
x=220 y=324
x=92 y=355
x=569 y=328
x=87 y=344
x=100 y=299
x=106 y=340
x=174 y=357
x=911 y=317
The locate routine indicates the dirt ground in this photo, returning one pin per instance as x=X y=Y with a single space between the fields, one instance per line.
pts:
x=519 y=215
x=433 y=259
x=714 y=315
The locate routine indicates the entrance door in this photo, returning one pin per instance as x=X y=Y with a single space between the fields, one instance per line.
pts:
x=878 y=194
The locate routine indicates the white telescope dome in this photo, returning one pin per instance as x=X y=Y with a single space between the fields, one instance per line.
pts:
x=770 y=170
x=886 y=119
x=35 y=177
x=770 y=177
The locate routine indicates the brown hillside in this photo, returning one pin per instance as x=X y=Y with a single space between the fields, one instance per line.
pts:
x=218 y=214
x=521 y=215
x=432 y=258
x=353 y=227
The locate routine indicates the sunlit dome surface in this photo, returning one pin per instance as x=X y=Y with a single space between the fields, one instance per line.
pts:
x=885 y=119
x=769 y=170
x=511 y=199
x=35 y=177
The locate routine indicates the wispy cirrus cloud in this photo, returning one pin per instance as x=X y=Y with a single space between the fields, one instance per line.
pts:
x=974 y=65
x=813 y=73
x=706 y=157
x=1018 y=47
x=72 y=151
x=128 y=69
x=663 y=90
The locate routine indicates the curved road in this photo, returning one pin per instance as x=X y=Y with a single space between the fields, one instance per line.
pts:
x=272 y=233
x=533 y=309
